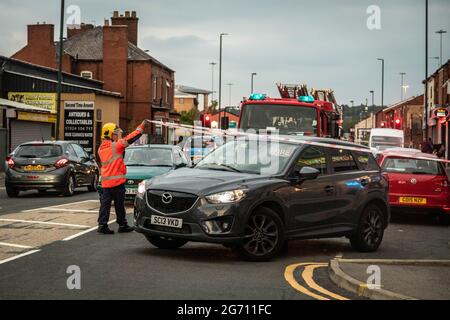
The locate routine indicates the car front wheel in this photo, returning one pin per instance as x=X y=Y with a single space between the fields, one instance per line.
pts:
x=264 y=236
x=166 y=242
x=370 y=231
x=93 y=186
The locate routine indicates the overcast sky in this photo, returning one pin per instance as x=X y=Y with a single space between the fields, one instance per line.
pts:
x=325 y=44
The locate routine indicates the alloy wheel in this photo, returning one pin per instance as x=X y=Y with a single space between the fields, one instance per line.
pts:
x=261 y=235
x=373 y=227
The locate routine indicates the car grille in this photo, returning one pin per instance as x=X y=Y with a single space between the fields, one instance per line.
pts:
x=180 y=201
x=185 y=230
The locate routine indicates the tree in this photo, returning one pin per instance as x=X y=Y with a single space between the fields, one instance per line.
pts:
x=188 y=117
x=212 y=109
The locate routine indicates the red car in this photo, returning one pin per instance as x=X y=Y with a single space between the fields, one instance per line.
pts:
x=416 y=183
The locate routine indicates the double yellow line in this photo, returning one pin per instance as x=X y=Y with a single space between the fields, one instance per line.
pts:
x=307 y=276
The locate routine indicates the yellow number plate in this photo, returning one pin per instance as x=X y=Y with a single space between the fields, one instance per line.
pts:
x=411 y=200
x=34 y=168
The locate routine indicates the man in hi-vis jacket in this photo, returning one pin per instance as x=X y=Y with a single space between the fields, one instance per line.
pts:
x=113 y=171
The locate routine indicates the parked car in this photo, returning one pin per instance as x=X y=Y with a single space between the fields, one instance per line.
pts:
x=45 y=165
x=418 y=184
x=296 y=191
x=198 y=147
x=148 y=161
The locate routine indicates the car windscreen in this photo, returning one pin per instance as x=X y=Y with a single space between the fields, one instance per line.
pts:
x=249 y=156
x=412 y=166
x=384 y=141
x=287 y=119
x=157 y=157
x=38 y=151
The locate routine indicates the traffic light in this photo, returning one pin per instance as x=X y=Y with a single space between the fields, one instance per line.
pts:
x=206 y=120
x=398 y=123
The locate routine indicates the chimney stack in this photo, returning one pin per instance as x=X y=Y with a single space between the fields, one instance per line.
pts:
x=129 y=20
x=82 y=28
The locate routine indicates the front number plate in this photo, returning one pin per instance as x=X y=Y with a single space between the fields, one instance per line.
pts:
x=167 y=222
x=132 y=191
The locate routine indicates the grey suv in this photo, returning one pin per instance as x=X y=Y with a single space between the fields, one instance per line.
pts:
x=313 y=191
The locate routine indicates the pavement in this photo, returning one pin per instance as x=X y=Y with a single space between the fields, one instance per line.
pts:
x=399 y=279
x=41 y=236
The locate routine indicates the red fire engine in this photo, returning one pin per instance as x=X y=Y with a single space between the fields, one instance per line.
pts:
x=297 y=112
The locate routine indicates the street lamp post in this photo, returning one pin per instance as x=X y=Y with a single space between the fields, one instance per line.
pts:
x=382 y=82
x=352 y=102
x=441 y=33
x=59 y=85
x=372 y=92
x=220 y=81
x=402 y=74
x=213 y=65
x=253 y=74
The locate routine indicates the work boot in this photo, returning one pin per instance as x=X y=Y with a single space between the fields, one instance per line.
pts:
x=125 y=228
x=105 y=230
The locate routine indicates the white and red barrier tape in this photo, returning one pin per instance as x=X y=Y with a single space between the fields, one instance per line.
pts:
x=212 y=132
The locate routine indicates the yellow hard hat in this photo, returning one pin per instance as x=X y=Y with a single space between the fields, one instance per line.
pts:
x=109 y=129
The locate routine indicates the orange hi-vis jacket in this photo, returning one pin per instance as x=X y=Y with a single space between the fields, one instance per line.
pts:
x=111 y=153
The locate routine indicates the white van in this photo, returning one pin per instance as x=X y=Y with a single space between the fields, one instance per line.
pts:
x=382 y=139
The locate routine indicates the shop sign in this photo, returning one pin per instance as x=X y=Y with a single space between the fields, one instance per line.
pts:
x=44 y=100
x=36 y=117
x=79 y=123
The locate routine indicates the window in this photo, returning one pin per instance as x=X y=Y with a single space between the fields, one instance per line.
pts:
x=366 y=161
x=71 y=151
x=38 y=151
x=313 y=157
x=86 y=74
x=342 y=161
x=155 y=87
x=287 y=119
x=412 y=166
x=79 y=151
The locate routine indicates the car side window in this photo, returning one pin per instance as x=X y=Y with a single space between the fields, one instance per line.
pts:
x=177 y=160
x=183 y=157
x=366 y=161
x=313 y=157
x=79 y=151
x=71 y=151
x=342 y=160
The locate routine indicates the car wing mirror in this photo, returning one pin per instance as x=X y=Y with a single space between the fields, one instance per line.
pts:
x=307 y=173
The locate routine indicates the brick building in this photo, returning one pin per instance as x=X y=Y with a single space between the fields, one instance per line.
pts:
x=438 y=106
x=406 y=115
x=109 y=53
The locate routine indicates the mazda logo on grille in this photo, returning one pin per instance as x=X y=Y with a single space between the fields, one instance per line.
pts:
x=130 y=181
x=167 y=198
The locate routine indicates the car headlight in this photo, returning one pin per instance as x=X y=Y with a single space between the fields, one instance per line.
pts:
x=142 y=187
x=227 y=196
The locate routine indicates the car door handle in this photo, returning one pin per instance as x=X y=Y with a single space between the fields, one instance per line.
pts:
x=329 y=189
x=365 y=182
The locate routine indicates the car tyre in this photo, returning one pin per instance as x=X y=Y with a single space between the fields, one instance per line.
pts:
x=93 y=186
x=263 y=236
x=69 y=189
x=370 y=230
x=12 y=192
x=166 y=242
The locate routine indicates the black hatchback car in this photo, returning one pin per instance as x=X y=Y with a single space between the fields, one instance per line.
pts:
x=45 y=165
x=254 y=199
